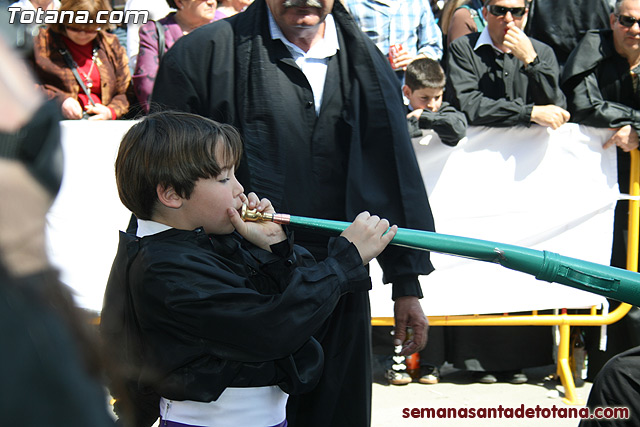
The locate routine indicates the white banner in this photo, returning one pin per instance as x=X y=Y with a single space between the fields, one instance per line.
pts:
x=552 y=190
x=83 y=222
x=532 y=187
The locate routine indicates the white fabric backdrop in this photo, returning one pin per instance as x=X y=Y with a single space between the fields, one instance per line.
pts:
x=84 y=221
x=533 y=187
x=552 y=190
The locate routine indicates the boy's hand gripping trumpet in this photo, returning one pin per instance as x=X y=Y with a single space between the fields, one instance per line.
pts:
x=611 y=282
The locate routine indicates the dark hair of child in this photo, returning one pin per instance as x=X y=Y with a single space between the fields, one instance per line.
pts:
x=424 y=72
x=172 y=149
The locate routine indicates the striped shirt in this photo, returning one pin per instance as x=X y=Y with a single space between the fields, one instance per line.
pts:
x=407 y=22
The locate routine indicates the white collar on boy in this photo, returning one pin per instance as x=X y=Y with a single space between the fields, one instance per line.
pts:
x=148 y=228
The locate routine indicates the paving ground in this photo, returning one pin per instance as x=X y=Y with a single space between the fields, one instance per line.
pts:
x=457 y=390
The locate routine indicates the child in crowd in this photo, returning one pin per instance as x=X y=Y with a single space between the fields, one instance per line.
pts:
x=424 y=85
x=211 y=317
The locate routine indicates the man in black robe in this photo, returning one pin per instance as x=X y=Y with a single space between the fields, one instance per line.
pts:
x=500 y=77
x=562 y=24
x=322 y=120
x=600 y=80
x=616 y=386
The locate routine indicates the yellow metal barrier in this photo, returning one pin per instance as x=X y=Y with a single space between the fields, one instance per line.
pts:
x=564 y=321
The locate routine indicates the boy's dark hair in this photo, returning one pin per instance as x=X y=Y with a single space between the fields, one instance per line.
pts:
x=424 y=72
x=172 y=149
x=172 y=4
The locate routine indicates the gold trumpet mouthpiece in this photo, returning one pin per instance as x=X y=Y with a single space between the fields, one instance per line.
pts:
x=253 y=215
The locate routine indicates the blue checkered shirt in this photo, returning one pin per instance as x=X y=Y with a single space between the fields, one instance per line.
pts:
x=408 y=22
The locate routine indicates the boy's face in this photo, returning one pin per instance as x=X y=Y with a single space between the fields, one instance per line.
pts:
x=426 y=98
x=209 y=201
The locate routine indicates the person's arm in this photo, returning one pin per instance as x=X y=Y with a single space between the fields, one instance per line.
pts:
x=544 y=78
x=407 y=312
x=413 y=126
x=403 y=184
x=588 y=107
x=53 y=92
x=461 y=23
x=540 y=66
x=119 y=102
x=205 y=302
x=202 y=295
x=464 y=71
x=399 y=266
x=49 y=67
x=429 y=35
x=543 y=75
x=449 y=123
x=146 y=66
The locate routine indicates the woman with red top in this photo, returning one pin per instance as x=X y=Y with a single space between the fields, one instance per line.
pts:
x=82 y=65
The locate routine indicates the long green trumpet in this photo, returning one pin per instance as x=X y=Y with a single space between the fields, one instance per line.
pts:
x=611 y=282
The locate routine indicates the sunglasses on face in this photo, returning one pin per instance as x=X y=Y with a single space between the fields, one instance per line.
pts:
x=82 y=30
x=516 y=12
x=627 y=21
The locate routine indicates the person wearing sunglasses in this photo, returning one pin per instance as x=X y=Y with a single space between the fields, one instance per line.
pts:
x=500 y=77
x=600 y=80
x=600 y=77
x=83 y=66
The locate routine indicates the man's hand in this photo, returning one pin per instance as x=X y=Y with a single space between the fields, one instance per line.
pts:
x=401 y=60
x=626 y=138
x=549 y=115
x=517 y=41
x=408 y=312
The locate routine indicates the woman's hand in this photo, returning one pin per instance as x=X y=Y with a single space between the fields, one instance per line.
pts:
x=367 y=233
x=99 y=112
x=261 y=233
x=71 y=109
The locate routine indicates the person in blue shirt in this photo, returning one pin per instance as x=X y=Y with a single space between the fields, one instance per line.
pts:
x=409 y=23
